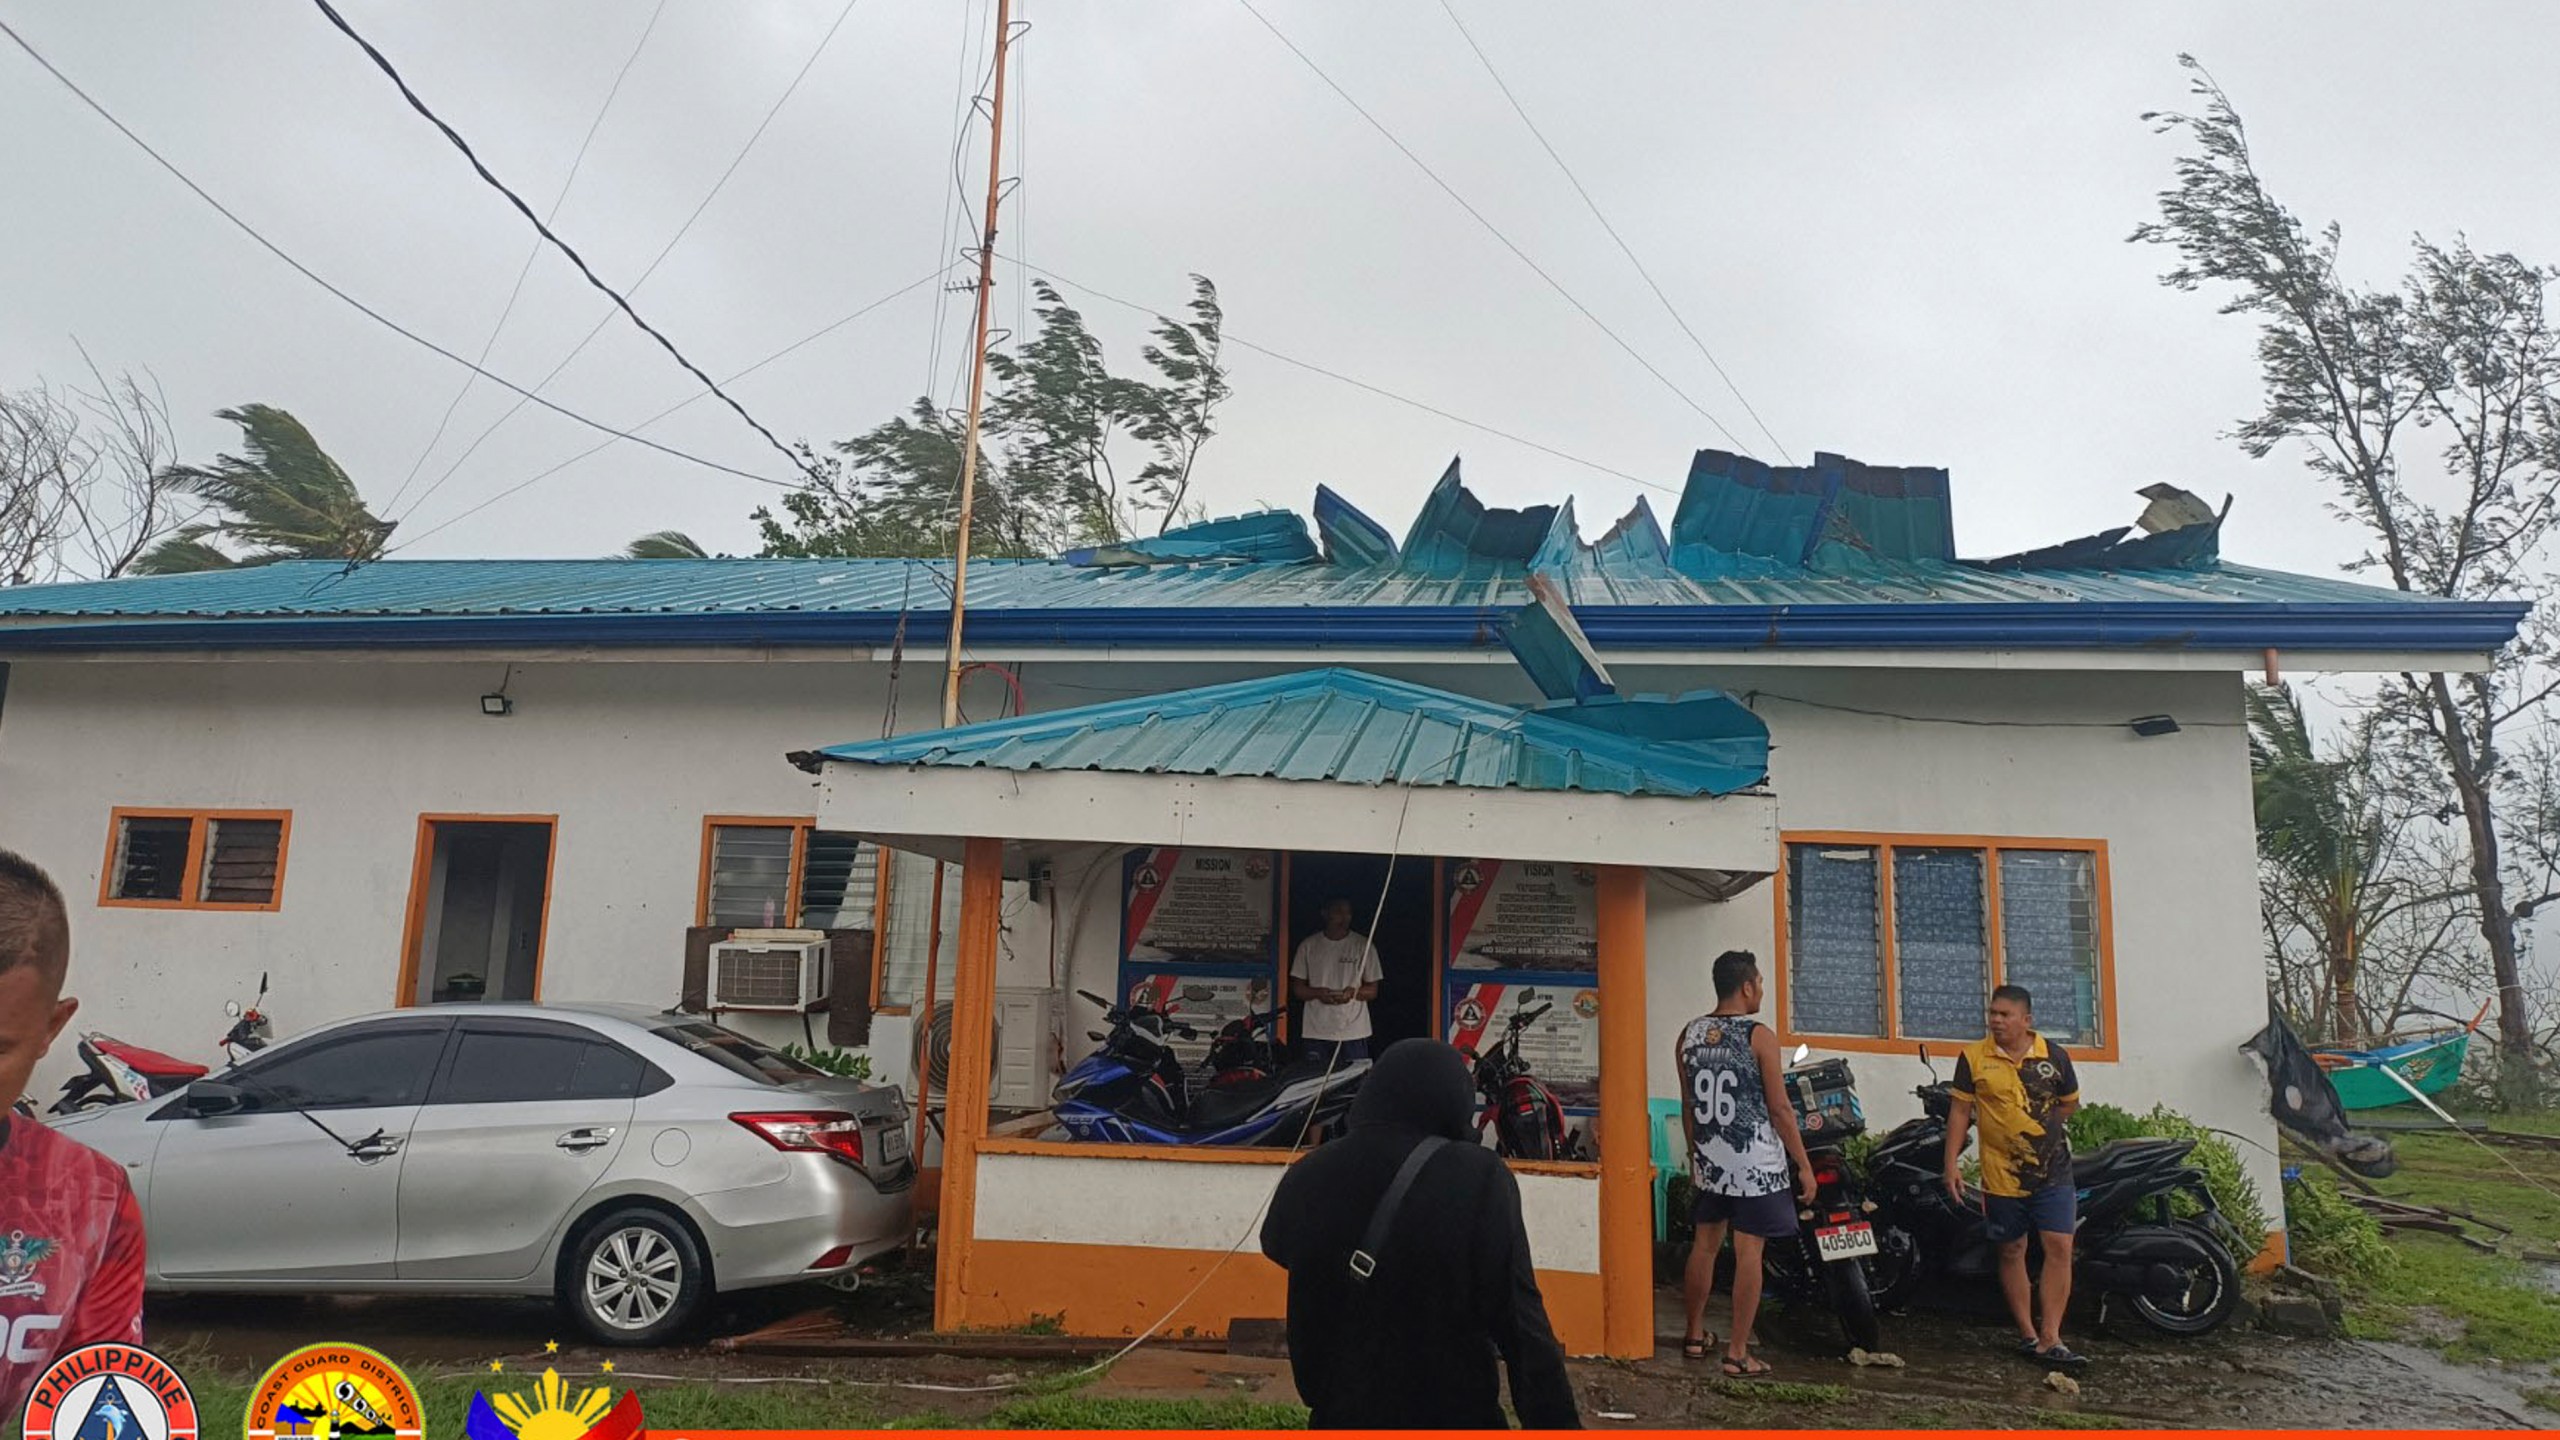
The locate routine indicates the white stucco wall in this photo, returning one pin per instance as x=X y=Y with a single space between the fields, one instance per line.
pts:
x=631 y=755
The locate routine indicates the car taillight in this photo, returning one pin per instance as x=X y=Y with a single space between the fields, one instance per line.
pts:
x=829 y=1132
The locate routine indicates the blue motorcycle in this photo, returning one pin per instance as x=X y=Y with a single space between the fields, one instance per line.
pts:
x=1136 y=1090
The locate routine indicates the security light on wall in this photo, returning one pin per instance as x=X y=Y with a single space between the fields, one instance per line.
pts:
x=2148 y=726
x=497 y=703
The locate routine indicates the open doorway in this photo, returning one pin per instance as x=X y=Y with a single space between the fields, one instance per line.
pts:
x=1404 y=1008
x=479 y=894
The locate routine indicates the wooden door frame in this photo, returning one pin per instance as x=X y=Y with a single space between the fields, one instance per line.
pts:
x=422 y=869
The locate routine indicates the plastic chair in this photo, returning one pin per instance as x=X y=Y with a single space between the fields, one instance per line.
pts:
x=1670 y=1158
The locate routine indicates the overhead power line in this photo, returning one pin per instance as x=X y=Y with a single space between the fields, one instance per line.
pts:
x=809 y=339
x=383 y=63
x=531 y=254
x=1358 y=384
x=361 y=307
x=1494 y=230
x=660 y=259
x=1623 y=247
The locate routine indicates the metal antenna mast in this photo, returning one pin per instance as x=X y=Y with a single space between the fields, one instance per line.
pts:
x=977 y=373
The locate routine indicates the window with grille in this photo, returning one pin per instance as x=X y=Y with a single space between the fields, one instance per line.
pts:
x=200 y=860
x=765 y=874
x=1902 y=941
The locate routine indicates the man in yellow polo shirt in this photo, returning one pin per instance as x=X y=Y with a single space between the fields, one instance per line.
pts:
x=2019 y=1090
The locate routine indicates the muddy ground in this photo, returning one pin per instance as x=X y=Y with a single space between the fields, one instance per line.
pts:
x=1958 y=1371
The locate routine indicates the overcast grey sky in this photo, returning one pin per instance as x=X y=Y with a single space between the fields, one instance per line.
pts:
x=1901 y=228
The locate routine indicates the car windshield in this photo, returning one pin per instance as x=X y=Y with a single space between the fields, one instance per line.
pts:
x=736 y=1052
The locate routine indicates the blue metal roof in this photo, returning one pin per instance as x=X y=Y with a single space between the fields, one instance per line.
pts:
x=1623 y=602
x=1355 y=728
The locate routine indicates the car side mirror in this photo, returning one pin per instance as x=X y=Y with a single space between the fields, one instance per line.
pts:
x=208 y=1098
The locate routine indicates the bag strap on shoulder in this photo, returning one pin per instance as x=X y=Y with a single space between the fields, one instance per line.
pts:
x=1364 y=1260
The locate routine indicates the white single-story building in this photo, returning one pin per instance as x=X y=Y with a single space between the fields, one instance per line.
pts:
x=416 y=782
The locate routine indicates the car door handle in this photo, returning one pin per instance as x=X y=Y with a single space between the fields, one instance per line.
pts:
x=578 y=1142
x=379 y=1147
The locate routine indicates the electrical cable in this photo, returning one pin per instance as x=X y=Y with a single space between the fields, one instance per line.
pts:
x=314 y=276
x=1623 y=247
x=804 y=340
x=660 y=259
x=1494 y=230
x=1749 y=696
x=532 y=253
x=383 y=63
x=1378 y=390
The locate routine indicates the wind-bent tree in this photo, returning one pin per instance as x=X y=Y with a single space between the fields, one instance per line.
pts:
x=2428 y=409
x=284 y=500
x=1069 y=453
x=83 y=479
x=665 y=545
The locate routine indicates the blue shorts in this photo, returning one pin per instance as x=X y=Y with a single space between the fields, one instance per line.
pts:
x=2053 y=1210
x=1334 y=1052
x=1771 y=1217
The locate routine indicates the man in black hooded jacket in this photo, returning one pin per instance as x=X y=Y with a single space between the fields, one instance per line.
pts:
x=1418 y=1344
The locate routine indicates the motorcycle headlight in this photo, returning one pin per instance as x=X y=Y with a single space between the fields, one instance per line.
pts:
x=1068 y=1088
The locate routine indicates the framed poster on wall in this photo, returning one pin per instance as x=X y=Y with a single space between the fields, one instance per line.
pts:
x=1534 y=915
x=1200 y=936
x=1562 y=1046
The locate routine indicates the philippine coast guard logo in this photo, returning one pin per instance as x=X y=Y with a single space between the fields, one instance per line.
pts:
x=2045 y=1070
x=1147 y=878
x=110 y=1392
x=20 y=1254
x=1468 y=877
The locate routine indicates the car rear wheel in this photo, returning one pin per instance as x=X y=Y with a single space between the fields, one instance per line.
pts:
x=636 y=1278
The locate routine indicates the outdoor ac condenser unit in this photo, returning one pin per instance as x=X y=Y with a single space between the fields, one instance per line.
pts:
x=783 y=970
x=1025 y=1049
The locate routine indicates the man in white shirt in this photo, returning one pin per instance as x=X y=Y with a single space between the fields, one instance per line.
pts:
x=1337 y=971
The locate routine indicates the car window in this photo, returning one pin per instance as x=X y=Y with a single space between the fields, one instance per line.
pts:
x=736 y=1052
x=609 y=1072
x=502 y=1066
x=375 y=1068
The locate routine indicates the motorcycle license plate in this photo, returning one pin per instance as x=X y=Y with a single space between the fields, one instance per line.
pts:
x=1841 y=1242
x=893 y=1144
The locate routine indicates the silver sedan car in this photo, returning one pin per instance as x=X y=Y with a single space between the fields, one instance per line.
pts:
x=631 y=1162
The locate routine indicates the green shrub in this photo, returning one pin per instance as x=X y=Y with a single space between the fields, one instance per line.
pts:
x=2328 y=1236
x=847 y=1064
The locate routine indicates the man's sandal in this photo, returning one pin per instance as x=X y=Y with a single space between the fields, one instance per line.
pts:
x=1695 y=1347
x=1750 y=1367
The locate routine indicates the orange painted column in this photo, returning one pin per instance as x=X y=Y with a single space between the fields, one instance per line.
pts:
x=1626 y=1128
x=964 y=1114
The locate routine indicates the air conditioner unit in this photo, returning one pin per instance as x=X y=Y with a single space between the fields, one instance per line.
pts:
x=783 y=970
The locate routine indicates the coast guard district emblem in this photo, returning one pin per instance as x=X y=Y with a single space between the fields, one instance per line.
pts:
x=335 y=1391
x=110 y=1392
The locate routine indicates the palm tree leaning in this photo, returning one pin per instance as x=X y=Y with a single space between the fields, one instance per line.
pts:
x=2322 y=834
x=283 y=500
x=665 y=545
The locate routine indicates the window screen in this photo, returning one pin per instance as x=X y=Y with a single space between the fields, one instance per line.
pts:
x=1942 y=953
x=838 y=874
x=2049 y=938
x=241 y=861
x=751 y=875
x=1835 y=961
x=151 y=857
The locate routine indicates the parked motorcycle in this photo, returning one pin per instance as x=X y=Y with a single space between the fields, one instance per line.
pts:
x=1526 y=1118
x=1136 y=1089
x=117 y=1072
x=2176 y=1271
x=1838 y=1258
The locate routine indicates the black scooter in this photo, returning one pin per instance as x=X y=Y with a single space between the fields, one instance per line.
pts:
x=1136 y=1089
x=1839 y=1258
x=2177 y=1272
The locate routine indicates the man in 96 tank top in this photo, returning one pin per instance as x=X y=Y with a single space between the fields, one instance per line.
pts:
x=1742 y=1134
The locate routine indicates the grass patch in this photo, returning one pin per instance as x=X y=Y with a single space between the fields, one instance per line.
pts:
x=2544 y=1399
x=2078 y=1420
x=2494 y=1304
x=1782 y=1392
x=1110 y=1412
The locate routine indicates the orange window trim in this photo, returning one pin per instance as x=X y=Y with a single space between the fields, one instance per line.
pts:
x=798 y=825
x=1893 y=1042
x=422 y=866
x=191 y=883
